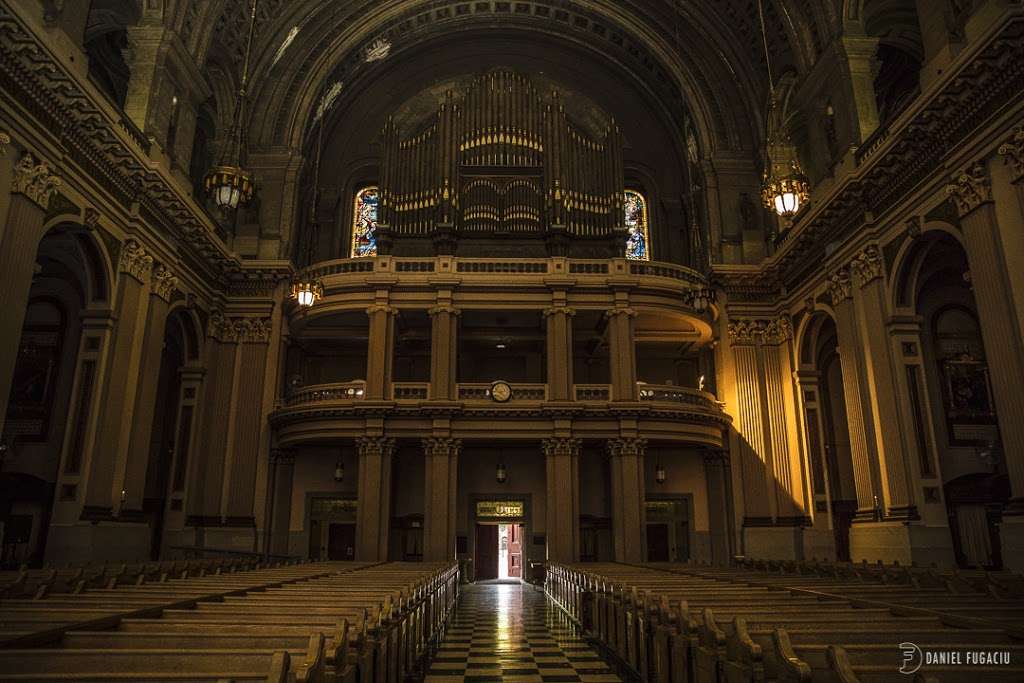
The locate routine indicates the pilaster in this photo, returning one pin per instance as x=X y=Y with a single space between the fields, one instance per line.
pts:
x=381 y=351
x=629 y=524
x=373 y=512
x=441 y=472
x=282 y=464
x=444 y=346
x=559 y=352
x=562 y=457
x=622 y=352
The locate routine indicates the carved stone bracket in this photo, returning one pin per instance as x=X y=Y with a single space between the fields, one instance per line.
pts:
x=626 y=446
x=1013 y=150
x=163 y=283
x=135 y=261
x=34 y=180
x=238 y=330
x=972 y=189
x=441 y=446
x=840 y=287
x=562 y=446
x=868 y=265
x=375 y=445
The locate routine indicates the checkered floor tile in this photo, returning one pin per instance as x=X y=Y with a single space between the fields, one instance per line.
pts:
x=511 y=633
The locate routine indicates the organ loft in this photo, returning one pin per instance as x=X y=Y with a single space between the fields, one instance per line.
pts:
x=340 y=334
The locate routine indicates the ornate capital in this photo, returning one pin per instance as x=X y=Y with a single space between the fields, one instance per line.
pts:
x=868 y=265
x=612 y=312
x=840 y=287
x=972 y=189
x=626 y=446
x=244 y=330
x=561 y=445
x=778 y=331
x=382 y=446
x=559 y=310
x=381 y=308
x=451 y=310
x=163 y=283
x=5 y=140
x=441 y=446
x=745 y=332
x=135 y=261
x=715 y=457
x=282 y=456
x=1013 y=150
x=34 y=180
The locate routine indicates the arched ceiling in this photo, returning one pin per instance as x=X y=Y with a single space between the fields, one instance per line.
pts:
x=706 y=53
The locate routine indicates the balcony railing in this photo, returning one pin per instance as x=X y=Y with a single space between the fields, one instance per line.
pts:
x=520 y=392
x=592 y=392
x=674 y=394
x=410 y=391
x=315 y=393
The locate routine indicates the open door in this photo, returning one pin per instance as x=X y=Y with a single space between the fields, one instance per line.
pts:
x=341 y=543
x=657 y=543
x=486 y=552
x=515 y=551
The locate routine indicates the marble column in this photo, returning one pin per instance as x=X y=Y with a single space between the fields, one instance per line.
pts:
x=629 y=524
x=282 y=463
x=444 y=347
x=441 y=473
x=373 y=514
x=897 y=496
x=32 y=186
x=380 y=352
x=162 y=285
x=559 y=353
x=562 y=458
x=622 y=353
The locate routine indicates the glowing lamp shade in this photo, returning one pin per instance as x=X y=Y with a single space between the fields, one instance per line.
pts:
x=229 y=186
x=339 y=472
x=307 y=292
x=501 y=474
x=660 y=475
x=786 y=195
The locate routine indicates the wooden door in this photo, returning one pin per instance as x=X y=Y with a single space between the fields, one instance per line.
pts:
x=657 y=543
x=341 y=542
x=515 y=551
x=486 y=551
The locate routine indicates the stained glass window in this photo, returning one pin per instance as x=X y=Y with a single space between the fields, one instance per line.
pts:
x=364 y=223
x=638 y=245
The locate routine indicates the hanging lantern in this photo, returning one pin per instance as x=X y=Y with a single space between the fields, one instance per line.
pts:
x=660 y=475
x=229 y=186
x=339 y=471
x=307 y=292
x=501 y=474
x=787 y=192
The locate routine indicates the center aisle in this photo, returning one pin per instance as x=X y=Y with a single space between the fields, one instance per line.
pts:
x=512 y=633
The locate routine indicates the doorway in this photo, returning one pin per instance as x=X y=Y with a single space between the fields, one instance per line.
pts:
x=332 y=527
x=668 y=528
x=657 y=542
x=499 y=551
x=341 y=542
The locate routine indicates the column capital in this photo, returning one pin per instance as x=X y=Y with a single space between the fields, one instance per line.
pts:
x=778 y=331
x=441 y=446
x=5 y=139
x=135 y=261
x=559 y=310
x=715 y=457
x=381 y=308
x=840 y=286
x=163 y=283
x=34 y=179
x=971 y=189
x=1013 y=150
x=747 y=332
x=383 y=446
x=561 y=445
x=612 y=312
x=282 y=456
x=626 y=446
x=443 y=308
x=232 y=330
x=868 y=265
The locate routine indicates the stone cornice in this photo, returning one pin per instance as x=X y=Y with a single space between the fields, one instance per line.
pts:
x=35 y=180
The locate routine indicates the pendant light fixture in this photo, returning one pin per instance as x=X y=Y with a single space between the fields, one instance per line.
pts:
x=307 y=292
x=229 y=184
x=660 y=474
x=501 y=474
x=339 y=470
x=785 y=188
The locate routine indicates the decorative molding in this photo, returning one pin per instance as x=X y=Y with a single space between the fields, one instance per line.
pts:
x=90 y=218
x=868 y=265
x=34 y=180
x=561 y=445
x=282 y=456
x=971 y=189
x=1013 y=150
x=626 y=446
x=840 y=286
x=5 y=140
x=612 y=312
x=914 y=227
x=135 y=261
x=238 y=330
x=445 y=308
x=382 y=446
x=747 y=332
x=163 y=283
x=556 y=310
x=381 y=308
x=441 y=446
x=778 y=331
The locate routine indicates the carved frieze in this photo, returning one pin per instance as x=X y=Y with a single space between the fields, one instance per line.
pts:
x=971 y=189
x=746 y=332
x=1013 y=150
x=612 y=312
x=778 y=331
x=35 y=180
x=840 y=286
x=135 y=261
x=868 y=265
x=561 y=446
x=163 y=283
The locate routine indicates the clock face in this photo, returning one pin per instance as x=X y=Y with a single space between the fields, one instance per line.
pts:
x=501 y=391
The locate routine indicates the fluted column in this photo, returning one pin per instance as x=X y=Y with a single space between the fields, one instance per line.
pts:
x=441 y=473
x=1008 y=194
x=562 y=458
x=110 y=461
x=32 y=186
x=381 y=351
x=858 y=412
x=282 y=467
x=998 y=315
x=716 y=477
x=373 y=514
x=559 y=352
x=867 y=271
x=444 y=346
x=162 y=285
x=626 y=459
x=622 y=352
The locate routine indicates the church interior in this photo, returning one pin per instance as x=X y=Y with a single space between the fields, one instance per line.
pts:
x=367 y=341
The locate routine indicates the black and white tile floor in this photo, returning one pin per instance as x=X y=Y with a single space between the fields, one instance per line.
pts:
x=511 y=633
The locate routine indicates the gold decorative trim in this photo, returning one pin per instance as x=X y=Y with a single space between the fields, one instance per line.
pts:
x=747 y=332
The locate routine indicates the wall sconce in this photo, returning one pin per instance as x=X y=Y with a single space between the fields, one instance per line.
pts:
x=660 y=475
x=501 y=474
x=339 y=471
x=124 y=496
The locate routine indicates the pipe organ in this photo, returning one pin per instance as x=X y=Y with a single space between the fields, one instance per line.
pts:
x=501 y=159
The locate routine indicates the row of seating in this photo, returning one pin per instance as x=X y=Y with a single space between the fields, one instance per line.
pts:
x=682 y=624
x=40 y=582
x=344 y=622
